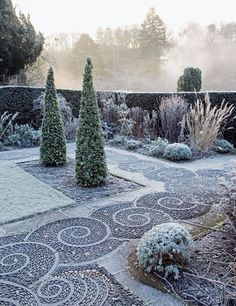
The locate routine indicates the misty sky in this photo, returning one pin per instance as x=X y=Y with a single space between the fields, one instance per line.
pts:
x=50 y=16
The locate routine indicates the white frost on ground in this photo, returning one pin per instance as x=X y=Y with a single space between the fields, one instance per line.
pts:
x=21 y=194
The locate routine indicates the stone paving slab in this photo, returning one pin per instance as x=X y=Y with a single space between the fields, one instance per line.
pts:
x=22 y=195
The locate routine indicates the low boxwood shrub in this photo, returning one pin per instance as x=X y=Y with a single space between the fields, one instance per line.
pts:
x=119 y=140
x=223 y=146
x=23 y=136
x=177 y=151
x=165 y=249
x=158 y=147
x=134 y=144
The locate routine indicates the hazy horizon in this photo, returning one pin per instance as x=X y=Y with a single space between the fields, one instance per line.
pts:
x=86 y=16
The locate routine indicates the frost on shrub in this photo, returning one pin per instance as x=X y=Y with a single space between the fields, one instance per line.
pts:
x=65 y=109
x=137 y=115
x=177 y=151
x=158 y=147
x=151 y=125
x=112 y=112
x=24 y=136
x=70 y=129
x=164 y=249
x=119 y=140
x=171 y=113
x=223 y=146
x=126 y=128
x=134 y=144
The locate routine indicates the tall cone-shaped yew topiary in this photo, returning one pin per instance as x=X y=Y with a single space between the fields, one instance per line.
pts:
x=53 y=141
x=91 y=169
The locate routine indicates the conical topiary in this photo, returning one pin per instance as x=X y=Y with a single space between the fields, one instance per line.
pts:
x=53 y=141
x=91 y=169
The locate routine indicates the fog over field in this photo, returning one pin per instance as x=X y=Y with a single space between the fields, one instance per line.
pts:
x=126 y=55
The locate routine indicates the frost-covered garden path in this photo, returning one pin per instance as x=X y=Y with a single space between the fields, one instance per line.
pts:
x=75 y=253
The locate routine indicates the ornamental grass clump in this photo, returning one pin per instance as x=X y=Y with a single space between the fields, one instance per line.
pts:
x=204 y=122
x=91 y=168
x=53 y=142
x=164 y=249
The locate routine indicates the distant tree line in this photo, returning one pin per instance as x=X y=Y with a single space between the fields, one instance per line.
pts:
x=136 y=57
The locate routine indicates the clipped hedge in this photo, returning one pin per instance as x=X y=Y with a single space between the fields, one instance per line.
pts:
x=20 y=99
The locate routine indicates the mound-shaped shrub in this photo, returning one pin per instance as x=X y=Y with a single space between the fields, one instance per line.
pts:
x=158 y=147
x=177 y=151
x=134 y=144
x=164 y=249
x=223 y=146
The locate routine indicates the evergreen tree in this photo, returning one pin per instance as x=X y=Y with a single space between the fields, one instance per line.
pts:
x=53 y=142
x=91 y=169
x=153 y=36
x=84 y=46
x=191 y=80
x=20 y=45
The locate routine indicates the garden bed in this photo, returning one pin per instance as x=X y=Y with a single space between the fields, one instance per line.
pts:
x=146 y=145
x=209 y=279
x=63 y=179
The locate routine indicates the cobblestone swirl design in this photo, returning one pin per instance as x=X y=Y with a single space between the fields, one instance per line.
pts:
x=20 y=262
x=140 y=166
x=174 y=204
x=214 y=173
x=73 y=286
x=77 y=240
x=170 y=174
x=128 y=222
x=12 y=294
x=198 y=185
x=114 y=157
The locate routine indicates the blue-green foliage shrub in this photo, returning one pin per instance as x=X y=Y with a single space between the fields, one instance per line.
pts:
x=23 y=136
x=134 y=144
x=165 y=249
x=119 y=140
x=158 y=147
x=223 y=146
x=177 y=152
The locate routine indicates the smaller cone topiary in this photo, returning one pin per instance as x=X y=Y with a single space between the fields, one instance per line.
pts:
x=91 y=169
x=53 y=141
